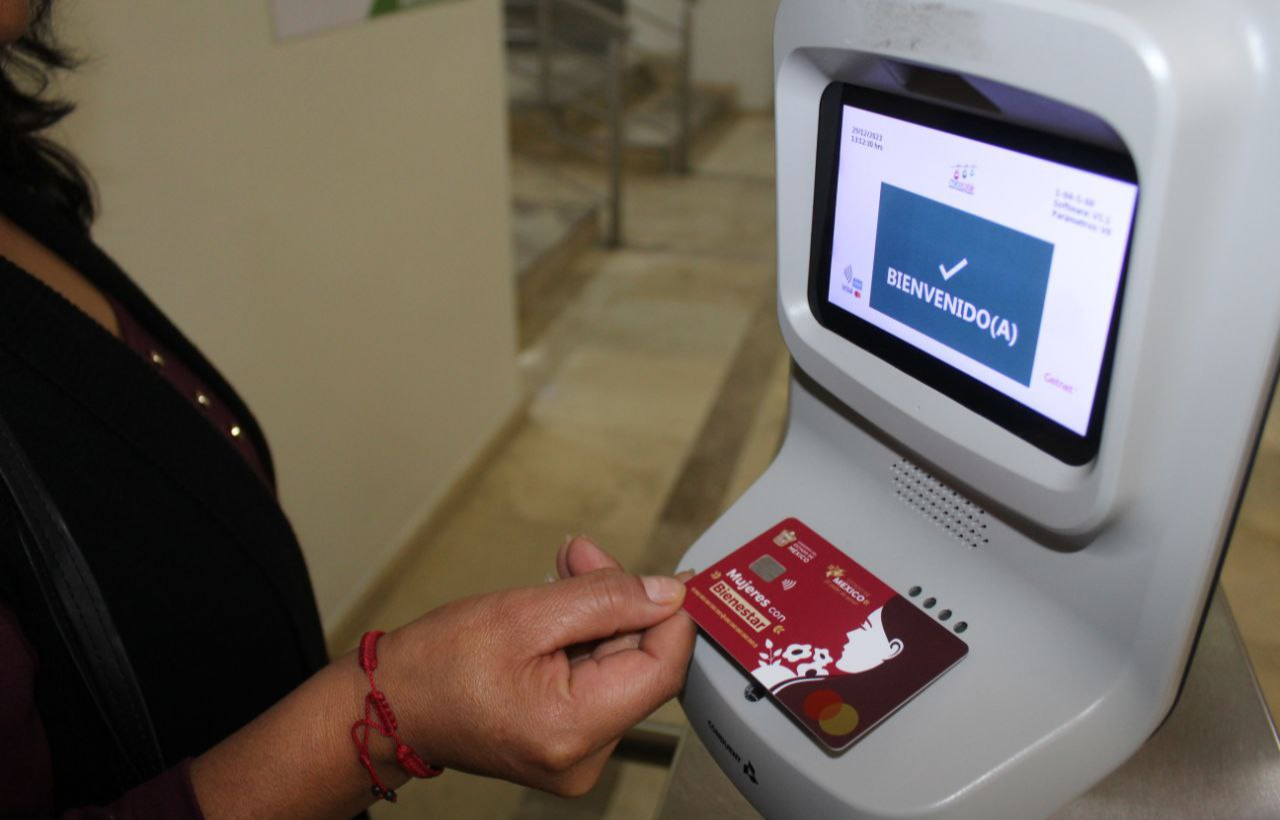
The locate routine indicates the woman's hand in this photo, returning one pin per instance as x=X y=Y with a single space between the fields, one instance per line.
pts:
x=536 y=685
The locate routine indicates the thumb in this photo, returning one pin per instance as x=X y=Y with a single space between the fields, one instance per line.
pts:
x=601 y=604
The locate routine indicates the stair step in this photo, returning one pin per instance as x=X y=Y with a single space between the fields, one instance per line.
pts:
x=548 y=238
x=652 y=126
x=573 y=76
x=568 y=25
x=650 y=135
x=549 y=234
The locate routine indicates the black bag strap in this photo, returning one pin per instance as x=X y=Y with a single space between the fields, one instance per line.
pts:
x=79 y=612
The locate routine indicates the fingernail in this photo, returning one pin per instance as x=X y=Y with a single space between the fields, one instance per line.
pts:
x=560 y=553
x=662 y=589
x=683 y=577
x=591 y=545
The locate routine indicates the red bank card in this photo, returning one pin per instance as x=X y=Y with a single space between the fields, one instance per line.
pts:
x=832 y=643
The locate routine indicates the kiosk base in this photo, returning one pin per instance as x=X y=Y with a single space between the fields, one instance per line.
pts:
x=1216 y=756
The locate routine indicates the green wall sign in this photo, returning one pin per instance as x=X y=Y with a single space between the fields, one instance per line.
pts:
x=381 y=7
x=299 y=18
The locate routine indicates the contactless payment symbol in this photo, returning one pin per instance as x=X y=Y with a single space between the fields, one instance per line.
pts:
x=852 y=284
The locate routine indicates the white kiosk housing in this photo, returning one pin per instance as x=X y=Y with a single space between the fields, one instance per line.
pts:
x=1066 y=495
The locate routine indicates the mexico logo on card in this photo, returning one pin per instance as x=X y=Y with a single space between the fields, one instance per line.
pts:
x=785 y=537
x=836 y=580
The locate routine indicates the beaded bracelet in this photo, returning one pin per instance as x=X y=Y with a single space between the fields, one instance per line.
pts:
x=379 y=717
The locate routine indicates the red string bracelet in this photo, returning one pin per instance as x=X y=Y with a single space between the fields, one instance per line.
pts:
x=379 y=717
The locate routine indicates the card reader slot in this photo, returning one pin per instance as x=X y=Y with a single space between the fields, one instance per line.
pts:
x=941 y=86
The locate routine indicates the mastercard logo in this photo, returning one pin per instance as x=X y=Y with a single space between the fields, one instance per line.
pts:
x=833 y=716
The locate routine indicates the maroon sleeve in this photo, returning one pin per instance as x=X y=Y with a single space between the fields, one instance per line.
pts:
x=26 y=781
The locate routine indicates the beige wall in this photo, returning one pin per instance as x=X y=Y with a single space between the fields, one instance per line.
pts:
x=328 y=219
x=734 y=44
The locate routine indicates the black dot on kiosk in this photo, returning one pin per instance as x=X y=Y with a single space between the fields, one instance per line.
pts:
x=914 y=591
x=929 y=602
x=944 y=615
x=961 y=627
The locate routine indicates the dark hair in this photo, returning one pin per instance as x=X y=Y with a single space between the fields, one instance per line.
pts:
x=27 y=158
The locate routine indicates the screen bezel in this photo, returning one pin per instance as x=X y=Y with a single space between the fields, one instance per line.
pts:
x=1030 y=425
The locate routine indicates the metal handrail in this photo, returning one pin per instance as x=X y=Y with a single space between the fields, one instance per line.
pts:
x=685 y=122
x=657 y=20
x=617 y=33
x=609 y=19
x=683 y=32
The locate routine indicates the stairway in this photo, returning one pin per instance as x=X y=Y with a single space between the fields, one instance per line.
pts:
x=560 y=170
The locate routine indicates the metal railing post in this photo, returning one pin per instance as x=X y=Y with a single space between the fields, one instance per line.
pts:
x=684 y=114
x=617 y=66
x=545 y=37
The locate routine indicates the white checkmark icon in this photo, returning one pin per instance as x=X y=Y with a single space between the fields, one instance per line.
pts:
x=947 y=274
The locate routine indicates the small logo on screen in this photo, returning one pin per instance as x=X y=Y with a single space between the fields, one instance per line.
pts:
x=852 y=283
x=961 y=178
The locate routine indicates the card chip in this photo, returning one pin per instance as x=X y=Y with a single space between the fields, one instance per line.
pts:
x=767 y=567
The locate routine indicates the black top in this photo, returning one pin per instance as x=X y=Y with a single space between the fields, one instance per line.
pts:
x=197 y=562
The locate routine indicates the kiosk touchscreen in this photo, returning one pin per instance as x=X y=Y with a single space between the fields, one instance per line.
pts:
x=984 y=259
x=1026 y=280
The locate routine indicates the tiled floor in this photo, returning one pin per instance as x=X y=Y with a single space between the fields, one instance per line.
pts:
x=659 y=390
x=1251 y=575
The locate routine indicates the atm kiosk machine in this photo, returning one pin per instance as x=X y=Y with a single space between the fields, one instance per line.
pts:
x=1028 y=276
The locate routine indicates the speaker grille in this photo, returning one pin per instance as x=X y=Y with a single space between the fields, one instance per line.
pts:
x=949 y=510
